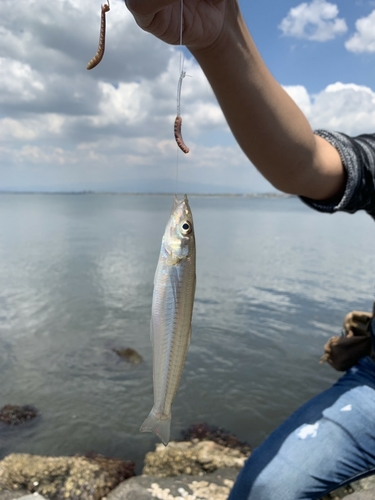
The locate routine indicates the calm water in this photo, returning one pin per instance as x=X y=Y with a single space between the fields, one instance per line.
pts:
x=274 y=280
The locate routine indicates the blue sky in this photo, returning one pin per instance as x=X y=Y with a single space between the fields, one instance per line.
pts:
x=312 y=63
x=111 y=129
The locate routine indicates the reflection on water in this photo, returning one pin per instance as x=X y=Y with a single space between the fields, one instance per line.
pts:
x=274 y=280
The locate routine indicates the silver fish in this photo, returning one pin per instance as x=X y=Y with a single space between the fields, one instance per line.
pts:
x=172 y=310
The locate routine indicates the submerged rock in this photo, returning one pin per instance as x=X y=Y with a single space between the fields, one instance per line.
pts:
x=205 y=432
x=70 y=478
x=130 y=355
x=191 y=458
x=215 y=486
x=16 y=415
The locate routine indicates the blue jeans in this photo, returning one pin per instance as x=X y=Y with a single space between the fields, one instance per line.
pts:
x=327 y=443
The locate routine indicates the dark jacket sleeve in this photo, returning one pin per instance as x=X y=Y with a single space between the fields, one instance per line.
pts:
x=358 y=157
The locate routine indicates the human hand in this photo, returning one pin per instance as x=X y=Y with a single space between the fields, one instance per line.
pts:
x=357 y=322
x=203 y=20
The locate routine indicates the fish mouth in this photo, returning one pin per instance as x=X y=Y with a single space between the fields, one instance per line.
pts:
x=176 y=201
x=182 y=204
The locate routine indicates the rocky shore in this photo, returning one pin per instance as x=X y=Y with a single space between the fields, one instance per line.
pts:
x=198 y=469
x=187 y=470
x=203 y=466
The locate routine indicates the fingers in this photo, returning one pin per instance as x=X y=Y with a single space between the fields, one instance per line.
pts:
x=358 y=320
x=146 y=12
x=143 y=9
x=331 y=343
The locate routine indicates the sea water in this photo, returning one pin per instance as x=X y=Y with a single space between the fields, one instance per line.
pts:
x=274 y=281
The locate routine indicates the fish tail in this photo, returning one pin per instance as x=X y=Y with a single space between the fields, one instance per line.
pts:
x=159 y=424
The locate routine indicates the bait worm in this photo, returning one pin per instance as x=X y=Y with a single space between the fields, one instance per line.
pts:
x=178 y=136
x=100 y=52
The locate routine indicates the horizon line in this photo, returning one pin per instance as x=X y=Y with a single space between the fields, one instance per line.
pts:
x=146 y=193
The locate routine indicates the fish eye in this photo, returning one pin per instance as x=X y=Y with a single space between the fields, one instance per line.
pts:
x=186 y=227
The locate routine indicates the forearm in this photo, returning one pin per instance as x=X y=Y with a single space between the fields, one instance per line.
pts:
x=268 y=125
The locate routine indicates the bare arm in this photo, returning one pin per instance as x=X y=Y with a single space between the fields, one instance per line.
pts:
x=268 y=125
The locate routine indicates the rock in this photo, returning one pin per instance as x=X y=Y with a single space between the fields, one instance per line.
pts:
x=33 y=496
x=338 y=494
x=357 y=490
x=214 y=486
x=129 y=354
x=368 y=483
x=362 y=495
x=12 y=495
x=16 y=415
x=56 y=478
x=206 y=432
x=188 y=457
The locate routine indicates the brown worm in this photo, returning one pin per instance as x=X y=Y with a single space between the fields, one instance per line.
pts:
x=178 y=136
x=100 y=52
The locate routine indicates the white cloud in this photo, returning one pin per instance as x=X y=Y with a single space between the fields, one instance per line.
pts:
x=19 y=81
x=315 y=21
x=63 y=127
x=300 y=95
x=11 y=129
x=109 y=128
x=128 y=103
x=364 y=38
x=347 y=108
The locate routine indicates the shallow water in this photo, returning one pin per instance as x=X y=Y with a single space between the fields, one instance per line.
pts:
x=274 y=280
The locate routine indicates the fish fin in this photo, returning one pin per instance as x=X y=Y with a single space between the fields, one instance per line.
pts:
x=161 y=427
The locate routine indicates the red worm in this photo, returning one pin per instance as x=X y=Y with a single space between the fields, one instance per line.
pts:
x=100 y=52
x=178 y=136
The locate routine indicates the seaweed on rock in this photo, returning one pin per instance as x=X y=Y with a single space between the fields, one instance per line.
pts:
x=206 y=432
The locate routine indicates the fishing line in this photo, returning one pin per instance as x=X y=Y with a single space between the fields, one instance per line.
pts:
x=178 y=120
x=181 y=22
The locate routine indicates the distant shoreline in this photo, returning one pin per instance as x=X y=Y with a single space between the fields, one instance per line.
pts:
x=203 y=195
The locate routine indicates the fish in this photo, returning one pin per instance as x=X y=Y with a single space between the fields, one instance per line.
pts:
x=171 y=314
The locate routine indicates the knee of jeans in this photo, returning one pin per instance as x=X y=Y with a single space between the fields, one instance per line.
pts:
x=261 y=489
x=278 y=481
x=266 y=489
